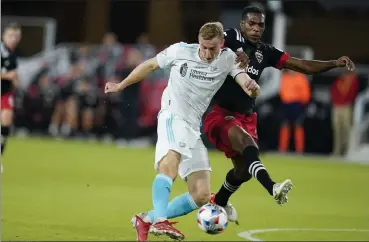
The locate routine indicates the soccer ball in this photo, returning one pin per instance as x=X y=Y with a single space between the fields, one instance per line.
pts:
x=212 y=219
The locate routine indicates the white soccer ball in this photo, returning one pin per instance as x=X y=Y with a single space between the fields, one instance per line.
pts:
x=212 y=219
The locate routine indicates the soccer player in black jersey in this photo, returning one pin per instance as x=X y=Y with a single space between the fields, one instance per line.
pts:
x=231 y=124
x=9 y=78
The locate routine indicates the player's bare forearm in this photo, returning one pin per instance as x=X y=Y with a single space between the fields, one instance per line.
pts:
x=309 y=67
x=11 y=75
x=249 y=86
x=139 y=73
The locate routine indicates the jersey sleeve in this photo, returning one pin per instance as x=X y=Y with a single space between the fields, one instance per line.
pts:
x=231 y=39
x=276 y=58
x=166 y=57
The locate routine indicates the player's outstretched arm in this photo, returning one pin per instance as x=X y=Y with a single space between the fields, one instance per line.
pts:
x=316 y=66
x=138 y=74
x=251 y=88
x=10 y=75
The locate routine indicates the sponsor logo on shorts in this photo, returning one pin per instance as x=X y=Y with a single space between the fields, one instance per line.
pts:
x=229 y=117
x=181 y=144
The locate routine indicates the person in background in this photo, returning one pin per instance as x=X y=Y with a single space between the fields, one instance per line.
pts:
x=39 y=101
x=112 y=58
x=66 y=109
x=87 y=103
x=9 y=78
x=295 y=94
x=343 y=93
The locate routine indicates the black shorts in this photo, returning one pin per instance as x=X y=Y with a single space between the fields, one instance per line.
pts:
x=65 y=93
x=87 y=101
x=293 y=111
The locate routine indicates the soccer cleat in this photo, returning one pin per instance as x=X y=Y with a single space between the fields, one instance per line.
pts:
x=280 y=191
x=142 y=227
x=230 y=209
x=166 y=228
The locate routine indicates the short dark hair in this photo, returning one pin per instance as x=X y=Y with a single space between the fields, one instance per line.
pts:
x=251 y=9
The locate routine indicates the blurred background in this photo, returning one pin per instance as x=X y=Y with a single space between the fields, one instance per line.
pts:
x=69 y=49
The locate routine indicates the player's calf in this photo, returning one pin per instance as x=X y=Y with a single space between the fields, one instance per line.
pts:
x=4 y=136
x=198 y=184
x=162 y=185
x=6 y=122
x=245 y=144
x=230 y=186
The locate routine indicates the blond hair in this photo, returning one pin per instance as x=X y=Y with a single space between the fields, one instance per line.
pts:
x=13 y=26
x=212 y=30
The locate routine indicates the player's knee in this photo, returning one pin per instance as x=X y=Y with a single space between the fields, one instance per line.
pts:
x=169 y=164
x=240 y=139
x=6 y=117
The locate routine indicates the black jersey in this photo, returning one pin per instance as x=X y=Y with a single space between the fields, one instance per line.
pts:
x=230 y=96
x=8 y=63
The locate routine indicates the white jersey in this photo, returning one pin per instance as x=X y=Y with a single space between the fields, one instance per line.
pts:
x=192 y=81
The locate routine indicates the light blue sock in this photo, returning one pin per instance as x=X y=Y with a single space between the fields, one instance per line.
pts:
x=160 y=195
x=179 y=206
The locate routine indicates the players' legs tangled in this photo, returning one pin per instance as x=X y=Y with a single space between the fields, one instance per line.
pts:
x=195 y=171
x=246 y=166
x=198 y=194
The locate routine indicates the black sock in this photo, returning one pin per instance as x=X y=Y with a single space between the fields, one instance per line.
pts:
x=257 y=169
x=4 y=136
x=230 y=185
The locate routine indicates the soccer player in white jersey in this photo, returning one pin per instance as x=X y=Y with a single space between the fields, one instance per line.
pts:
x=197 y=72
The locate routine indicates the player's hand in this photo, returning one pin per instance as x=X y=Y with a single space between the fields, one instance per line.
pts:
x=345 y=61
x=252 y=85
x=111 y=87
x=12 y=75
x=242 y=58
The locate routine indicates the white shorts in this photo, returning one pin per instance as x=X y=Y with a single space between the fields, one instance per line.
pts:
x=176 y=134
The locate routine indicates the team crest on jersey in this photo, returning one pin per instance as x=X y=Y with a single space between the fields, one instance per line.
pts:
x=183 y=69
x=259 y=56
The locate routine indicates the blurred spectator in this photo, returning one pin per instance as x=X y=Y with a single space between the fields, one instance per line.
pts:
x=343 y=93
x=112 y=58
x=65 y=115
x=295 y=94
x=39 y=101
x=87 y=103
x=145 y=47
x=361 y=109
x=71 y=102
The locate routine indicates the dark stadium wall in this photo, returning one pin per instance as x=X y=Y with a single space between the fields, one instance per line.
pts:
x=332 y=36
x=164 y=22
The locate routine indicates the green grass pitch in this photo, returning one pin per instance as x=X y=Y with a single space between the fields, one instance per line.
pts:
x=57 y=190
